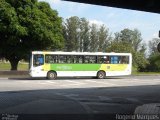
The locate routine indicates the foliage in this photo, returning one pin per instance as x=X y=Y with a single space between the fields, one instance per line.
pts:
x=154 y=57
x=153 y=45
x=71 y=29
x=154 y=63
x=84 y=35
x=119 y=47
x=103 y=38
x=94 y=38
x=27 y=25
x=80 y=35
x=131 y=37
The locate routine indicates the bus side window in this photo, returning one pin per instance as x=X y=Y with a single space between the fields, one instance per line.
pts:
x=75 y=59
x=107 y=61
x=86 y=59
x=62 y=59
x=92 y=59
x=51 y=59
x=80 y=59
x=125 y=59
x=100 y=59
x=114 y=60
x=69 y=59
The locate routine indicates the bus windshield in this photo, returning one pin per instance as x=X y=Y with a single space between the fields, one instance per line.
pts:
x=38 y=60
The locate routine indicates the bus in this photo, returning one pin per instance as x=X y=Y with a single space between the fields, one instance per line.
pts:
x=66 y=64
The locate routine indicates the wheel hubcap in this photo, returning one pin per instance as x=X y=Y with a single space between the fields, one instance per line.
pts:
x=52 y=75
x=101 y=75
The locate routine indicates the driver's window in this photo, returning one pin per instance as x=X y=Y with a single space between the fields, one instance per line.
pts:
x=38 y=60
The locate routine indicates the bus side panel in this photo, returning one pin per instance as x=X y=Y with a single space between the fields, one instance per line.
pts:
x=76 y=73
x=47 y=67
x=75 y=69
x=113 y=67
x=116 y=69
x=88 y=69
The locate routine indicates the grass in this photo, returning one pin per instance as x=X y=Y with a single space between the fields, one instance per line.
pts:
x=7 y=66
x=134 y=72
x=146 y=73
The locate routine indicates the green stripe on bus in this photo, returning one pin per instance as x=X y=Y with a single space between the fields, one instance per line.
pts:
x=85 y=67
x=75 y=67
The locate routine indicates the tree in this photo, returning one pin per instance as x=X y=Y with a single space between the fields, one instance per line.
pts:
x=103 y=38
x=27 y=25
x=93 y=38
x=71 y=33
x=119 y=47
x=132 y=37
x=154 y=57
x=154 y=63
x=81 y=36
x=84 y=35
x=153 y=45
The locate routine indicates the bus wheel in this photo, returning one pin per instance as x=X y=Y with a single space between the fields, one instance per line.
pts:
x=101 y=75
x=51 y=75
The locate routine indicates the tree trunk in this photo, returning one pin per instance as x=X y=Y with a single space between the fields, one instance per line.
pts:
x=14 y=64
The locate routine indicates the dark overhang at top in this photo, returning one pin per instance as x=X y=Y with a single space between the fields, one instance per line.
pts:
x=141 y=5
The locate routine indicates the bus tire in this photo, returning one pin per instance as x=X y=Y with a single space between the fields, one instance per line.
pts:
x=51 y=75
x=101 y=75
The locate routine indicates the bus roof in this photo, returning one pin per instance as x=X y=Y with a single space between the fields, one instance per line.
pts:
x=78 y=53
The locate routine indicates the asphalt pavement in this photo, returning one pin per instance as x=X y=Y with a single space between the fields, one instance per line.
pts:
x=80 y=98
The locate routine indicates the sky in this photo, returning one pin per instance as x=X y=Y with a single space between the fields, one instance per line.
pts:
x=115 y=19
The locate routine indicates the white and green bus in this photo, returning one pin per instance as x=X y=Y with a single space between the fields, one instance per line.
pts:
x=66 y=64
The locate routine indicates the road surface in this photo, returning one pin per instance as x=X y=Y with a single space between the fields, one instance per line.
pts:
x=76 y=98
